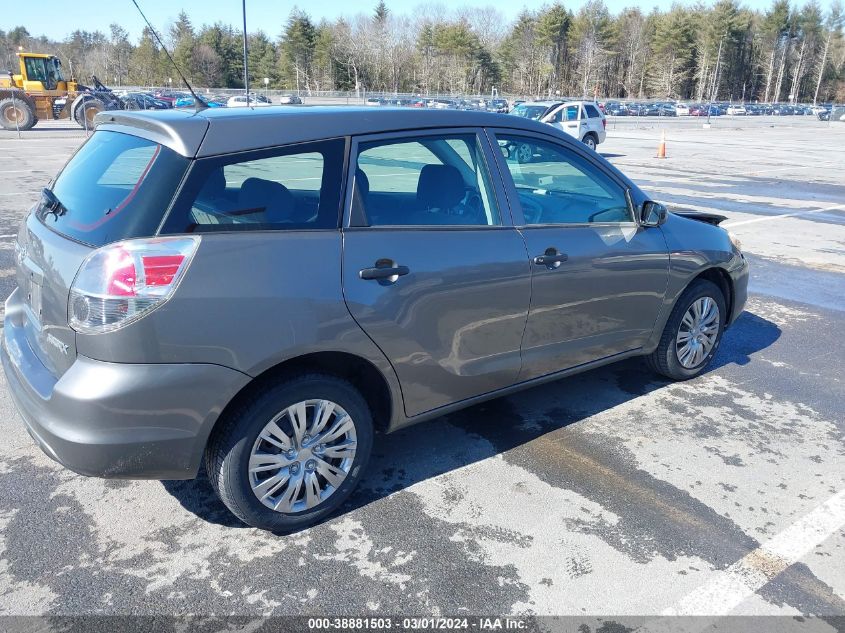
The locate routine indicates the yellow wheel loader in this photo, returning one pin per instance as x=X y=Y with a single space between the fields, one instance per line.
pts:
x=40 y=91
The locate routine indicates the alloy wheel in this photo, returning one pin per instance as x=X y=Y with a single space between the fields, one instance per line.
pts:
x=302 y=456
x=698 y=332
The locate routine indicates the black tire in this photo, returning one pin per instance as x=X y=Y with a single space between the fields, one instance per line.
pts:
x=591 y=141
x=228 y=452
x=16 y=114
x=89 y=108
x=664 y=360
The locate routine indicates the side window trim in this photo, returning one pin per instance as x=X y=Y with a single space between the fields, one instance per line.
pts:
x=353 y=219
x=510 y=187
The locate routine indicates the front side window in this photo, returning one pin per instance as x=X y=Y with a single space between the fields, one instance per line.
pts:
x=423 y=181
x=289 y=188
x=35 y=68
x=555 y=186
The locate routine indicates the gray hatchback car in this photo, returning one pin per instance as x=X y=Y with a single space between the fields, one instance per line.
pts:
x=261 y=291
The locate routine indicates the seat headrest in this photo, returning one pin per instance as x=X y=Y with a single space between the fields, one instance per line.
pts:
x=274 y=198
x=440 y=186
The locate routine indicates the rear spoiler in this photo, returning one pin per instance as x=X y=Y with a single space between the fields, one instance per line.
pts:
x=709 y=218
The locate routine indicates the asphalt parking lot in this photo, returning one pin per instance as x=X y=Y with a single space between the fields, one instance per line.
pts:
x=614 y=492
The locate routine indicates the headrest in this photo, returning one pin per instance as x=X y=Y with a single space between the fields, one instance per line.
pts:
x=440 y=186
x=275 y=199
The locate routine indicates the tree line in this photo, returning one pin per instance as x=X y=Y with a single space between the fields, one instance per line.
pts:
x=719 y=51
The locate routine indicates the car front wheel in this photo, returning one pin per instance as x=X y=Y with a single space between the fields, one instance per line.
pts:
x=288 y=457
x=692 y=333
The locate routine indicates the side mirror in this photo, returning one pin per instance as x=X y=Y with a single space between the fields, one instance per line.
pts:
x=653 y=214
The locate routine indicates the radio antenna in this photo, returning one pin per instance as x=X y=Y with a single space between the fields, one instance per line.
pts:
x=199 y=104
x=246 y=58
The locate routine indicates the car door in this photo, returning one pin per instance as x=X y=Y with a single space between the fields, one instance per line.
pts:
x=568 y=118
x=433 y=269
x=598 y=278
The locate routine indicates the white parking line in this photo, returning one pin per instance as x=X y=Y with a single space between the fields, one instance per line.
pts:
x=741 y=580
x=833 y=207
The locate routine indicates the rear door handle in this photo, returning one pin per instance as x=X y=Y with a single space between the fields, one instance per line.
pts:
x=551 y=259
x=385 y=270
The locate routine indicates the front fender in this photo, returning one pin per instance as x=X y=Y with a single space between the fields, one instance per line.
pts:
x=694 y=248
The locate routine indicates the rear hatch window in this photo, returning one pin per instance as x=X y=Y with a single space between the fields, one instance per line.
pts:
x=116 y=187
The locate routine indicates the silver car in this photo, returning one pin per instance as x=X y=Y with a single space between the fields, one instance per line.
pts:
x=262 y=291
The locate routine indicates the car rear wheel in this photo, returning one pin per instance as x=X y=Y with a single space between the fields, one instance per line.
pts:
x=692 y=333
x=288 y=457
x=590 y=141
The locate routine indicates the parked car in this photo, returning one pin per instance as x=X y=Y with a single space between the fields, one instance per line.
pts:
x=144 y=101
x=681 y=109
x=580 y=119
x=737 y=110
x=616 y=108
x=373 y=101
x=292 y=100
x=637 y=109
x=211 y=101
x=442 y=104
x=171 y=96
x=837 y=114
x=497 y=105
x=667 y=109
x=241 y=101
x=228 y=315
x=705 y=110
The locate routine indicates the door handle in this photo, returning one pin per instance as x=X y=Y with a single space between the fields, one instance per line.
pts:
x=385 y=270
x=551 y=259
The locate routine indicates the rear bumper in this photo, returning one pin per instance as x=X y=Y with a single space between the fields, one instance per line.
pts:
x=118 y=420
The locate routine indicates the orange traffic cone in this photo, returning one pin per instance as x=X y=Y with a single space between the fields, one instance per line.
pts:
x=661 y=149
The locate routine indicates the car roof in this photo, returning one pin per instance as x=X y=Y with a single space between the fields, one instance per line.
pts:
x=223 y=131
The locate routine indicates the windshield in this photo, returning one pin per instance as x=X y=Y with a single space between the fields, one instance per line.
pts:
x=116 y=187
x=529 y=111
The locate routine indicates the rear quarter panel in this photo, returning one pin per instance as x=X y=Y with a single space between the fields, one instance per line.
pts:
x=248 y=302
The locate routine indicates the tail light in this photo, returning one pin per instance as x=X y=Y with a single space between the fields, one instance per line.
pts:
x=604 y=123
x=120 y=283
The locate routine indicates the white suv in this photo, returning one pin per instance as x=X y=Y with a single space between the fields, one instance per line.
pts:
x=737 y=109
x=581 y=119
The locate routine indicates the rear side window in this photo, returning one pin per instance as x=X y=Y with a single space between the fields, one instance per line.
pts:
x=296 y=187
x=116 y=187
x=424 y=181
x=592 y=111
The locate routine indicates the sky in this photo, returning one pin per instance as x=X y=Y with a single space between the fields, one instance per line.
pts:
x=54 y=19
